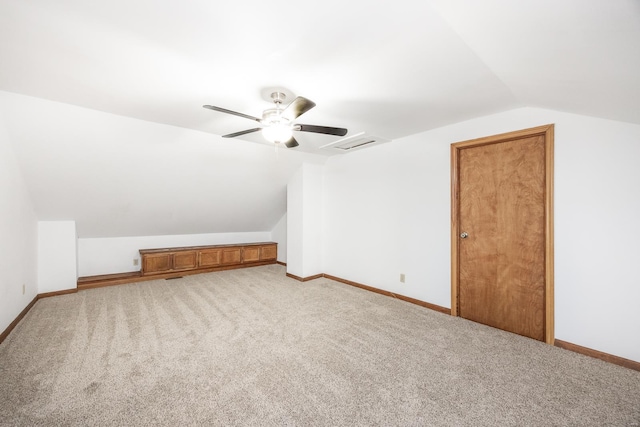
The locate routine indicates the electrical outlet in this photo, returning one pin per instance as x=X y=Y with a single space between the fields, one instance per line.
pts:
x=24 y=288
x=135 y=261
x=401 y=277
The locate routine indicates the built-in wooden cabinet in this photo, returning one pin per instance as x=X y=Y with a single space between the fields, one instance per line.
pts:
x=185 y=260
x=196 y=259
x=232 y=256
x=156 y=262
x=163 y=262
x=251 y=254
x=268 y=252
x=209 y=257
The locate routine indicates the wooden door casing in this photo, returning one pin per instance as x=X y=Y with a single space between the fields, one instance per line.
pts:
x=502 y=195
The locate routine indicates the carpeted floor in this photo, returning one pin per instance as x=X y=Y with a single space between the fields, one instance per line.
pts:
x=252 y=347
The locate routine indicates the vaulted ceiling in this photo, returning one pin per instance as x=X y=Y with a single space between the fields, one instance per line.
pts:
x=390 y=69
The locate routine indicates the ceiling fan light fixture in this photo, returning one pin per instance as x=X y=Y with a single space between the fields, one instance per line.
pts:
x=277 y=132
x=277 y=124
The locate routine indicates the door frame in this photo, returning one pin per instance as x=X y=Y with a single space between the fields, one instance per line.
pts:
x=547 y=131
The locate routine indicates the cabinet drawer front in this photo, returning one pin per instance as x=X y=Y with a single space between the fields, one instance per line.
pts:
x=156 y=263
x=185 y=260
x=231 y=256
x=268 y=252
x=251 y=254
x=210 y=258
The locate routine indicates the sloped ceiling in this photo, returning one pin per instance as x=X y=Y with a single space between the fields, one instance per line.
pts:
x=391 y=69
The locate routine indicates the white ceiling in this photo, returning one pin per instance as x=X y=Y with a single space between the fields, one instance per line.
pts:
x=389 y=69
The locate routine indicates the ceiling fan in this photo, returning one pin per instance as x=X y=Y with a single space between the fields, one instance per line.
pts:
x=277 y=124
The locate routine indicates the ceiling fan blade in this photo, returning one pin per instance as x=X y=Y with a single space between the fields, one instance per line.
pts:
x=298 y=107
x=292 y=143
x=321 y=129
x=242 y=132
x=235 y=113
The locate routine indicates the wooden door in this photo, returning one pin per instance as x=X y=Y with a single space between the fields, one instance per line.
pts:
x=501 y=237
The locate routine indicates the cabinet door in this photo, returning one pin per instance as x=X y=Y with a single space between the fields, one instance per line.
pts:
x=231 y=256
x=210 y=258
x=156 y=263
x=268 y=252
x=251 y=254
x=186 y=260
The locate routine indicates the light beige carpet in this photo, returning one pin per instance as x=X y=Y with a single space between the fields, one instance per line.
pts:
x=252 y=347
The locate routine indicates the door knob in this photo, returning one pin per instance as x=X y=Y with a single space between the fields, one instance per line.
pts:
x=464 y=235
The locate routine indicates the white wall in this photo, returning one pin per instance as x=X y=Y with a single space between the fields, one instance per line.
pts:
x=387 y=211
x=279 y=235
x=295 y=231
x=118 y=176
x=57 y=261
x=386 y=214
x=313 y=177
x=304 y=221
x=18 y=236
x=116 y=254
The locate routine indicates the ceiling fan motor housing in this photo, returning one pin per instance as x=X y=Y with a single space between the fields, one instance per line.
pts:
x=278 y=97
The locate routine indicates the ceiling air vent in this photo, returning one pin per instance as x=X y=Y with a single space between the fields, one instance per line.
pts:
x=355 y=142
